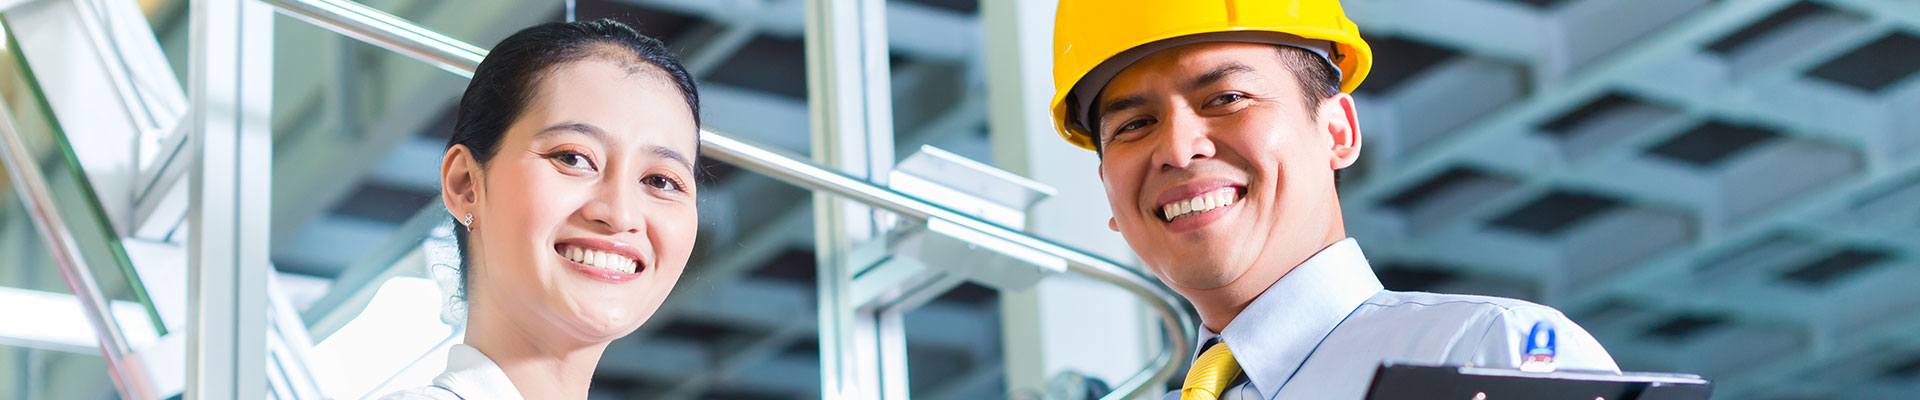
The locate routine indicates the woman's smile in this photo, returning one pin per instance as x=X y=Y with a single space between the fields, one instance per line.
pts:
x=600 y=259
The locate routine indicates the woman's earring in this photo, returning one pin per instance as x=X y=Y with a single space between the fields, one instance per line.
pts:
x=469 y=221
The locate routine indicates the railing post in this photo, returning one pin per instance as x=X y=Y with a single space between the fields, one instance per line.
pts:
x=230 y=92
x=852 y=130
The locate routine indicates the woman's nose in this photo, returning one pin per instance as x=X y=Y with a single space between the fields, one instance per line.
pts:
x=610 y=210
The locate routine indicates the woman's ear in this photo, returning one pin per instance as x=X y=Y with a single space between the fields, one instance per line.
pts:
x=459 y=181
x=1343 y=126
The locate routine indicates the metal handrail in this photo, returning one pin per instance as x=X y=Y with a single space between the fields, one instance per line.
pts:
x=379 y=28
x=401 y=36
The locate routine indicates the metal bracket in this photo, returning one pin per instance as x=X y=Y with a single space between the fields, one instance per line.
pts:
x=918 y=260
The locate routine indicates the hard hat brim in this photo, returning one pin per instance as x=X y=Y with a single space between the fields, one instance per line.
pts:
x=1353 y=62
x=1088 y=89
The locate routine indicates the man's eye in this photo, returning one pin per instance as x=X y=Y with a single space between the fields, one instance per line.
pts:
x=1227 y=98
x=1133 y=125
x=662 y=182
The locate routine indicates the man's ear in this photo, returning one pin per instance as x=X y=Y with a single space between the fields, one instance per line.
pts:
x=1112 y=224
x=459 y=181
x=1342 y=124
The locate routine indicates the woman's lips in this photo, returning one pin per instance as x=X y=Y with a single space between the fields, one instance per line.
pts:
x=601 y=259
x=602 y=274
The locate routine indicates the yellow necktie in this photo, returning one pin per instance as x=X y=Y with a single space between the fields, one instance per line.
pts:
x=1210 y=375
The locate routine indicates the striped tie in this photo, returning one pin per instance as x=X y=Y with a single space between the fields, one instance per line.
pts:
x=1211 y=374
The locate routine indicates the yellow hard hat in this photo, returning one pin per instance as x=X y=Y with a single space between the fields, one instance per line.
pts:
x=1093 y=40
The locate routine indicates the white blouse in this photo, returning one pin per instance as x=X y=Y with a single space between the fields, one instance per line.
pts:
x=470 y=375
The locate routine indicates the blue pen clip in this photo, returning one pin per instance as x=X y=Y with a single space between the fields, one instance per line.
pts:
x=1538 y=349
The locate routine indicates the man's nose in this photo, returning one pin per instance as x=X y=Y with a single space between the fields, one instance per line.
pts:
x=1187 y=138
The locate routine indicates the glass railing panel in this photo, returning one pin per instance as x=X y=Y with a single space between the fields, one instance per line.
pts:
x=107 y=76
x=48 y=348
x=51 y=149
x=358 y=133
x=31 y=373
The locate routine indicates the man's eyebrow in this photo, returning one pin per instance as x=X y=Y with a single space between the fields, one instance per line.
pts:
x=1123 y=104
x=1208 y=78
x=1216 y=74
x=671 y=154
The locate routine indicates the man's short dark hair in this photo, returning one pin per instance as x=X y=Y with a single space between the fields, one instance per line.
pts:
x=1312 y=73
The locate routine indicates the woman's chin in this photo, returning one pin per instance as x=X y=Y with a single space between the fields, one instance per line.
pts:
x=606 y=327
x=602 y=320
x=596 y=311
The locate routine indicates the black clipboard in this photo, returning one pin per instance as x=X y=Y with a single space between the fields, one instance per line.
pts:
x=1411 y=381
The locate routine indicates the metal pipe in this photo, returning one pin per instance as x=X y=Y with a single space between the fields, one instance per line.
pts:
x=128 y=377
x=387 y=31
x=398 y=35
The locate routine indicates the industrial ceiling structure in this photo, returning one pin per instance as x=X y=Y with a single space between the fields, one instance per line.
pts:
x=1728 y=188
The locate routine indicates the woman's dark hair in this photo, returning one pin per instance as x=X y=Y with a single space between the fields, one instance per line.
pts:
x=510 y=75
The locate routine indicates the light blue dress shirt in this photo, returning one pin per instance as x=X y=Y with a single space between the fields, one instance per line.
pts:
x=1322 y=330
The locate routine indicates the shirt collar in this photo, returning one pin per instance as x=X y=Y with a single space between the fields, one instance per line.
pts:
x=474 y=376
x=1287 y=322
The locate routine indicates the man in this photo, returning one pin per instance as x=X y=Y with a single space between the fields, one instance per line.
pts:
x=1220 y=126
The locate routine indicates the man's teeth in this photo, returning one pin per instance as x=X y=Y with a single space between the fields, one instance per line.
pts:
x=1198 y=204
x=600 y=259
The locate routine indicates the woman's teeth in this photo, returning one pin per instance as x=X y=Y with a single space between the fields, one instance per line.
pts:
x=599 y=259
x=1198 y=204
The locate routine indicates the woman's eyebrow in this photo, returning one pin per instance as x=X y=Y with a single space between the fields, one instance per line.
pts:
x=573 y=127
x=671 y=154
x=597 y=133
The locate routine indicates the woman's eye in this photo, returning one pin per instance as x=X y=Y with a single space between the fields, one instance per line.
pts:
x=573 y=160
x=1227 y=98
x=662 y=182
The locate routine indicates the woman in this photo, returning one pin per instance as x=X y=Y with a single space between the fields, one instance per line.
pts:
x=570 y=175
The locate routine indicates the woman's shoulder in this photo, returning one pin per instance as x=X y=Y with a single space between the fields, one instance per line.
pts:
x=423 y=393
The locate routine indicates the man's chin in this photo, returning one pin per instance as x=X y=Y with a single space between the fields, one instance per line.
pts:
x=1201 y=276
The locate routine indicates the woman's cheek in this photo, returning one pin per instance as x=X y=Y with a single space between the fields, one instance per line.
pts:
x=689 y=224
x=681 y=235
